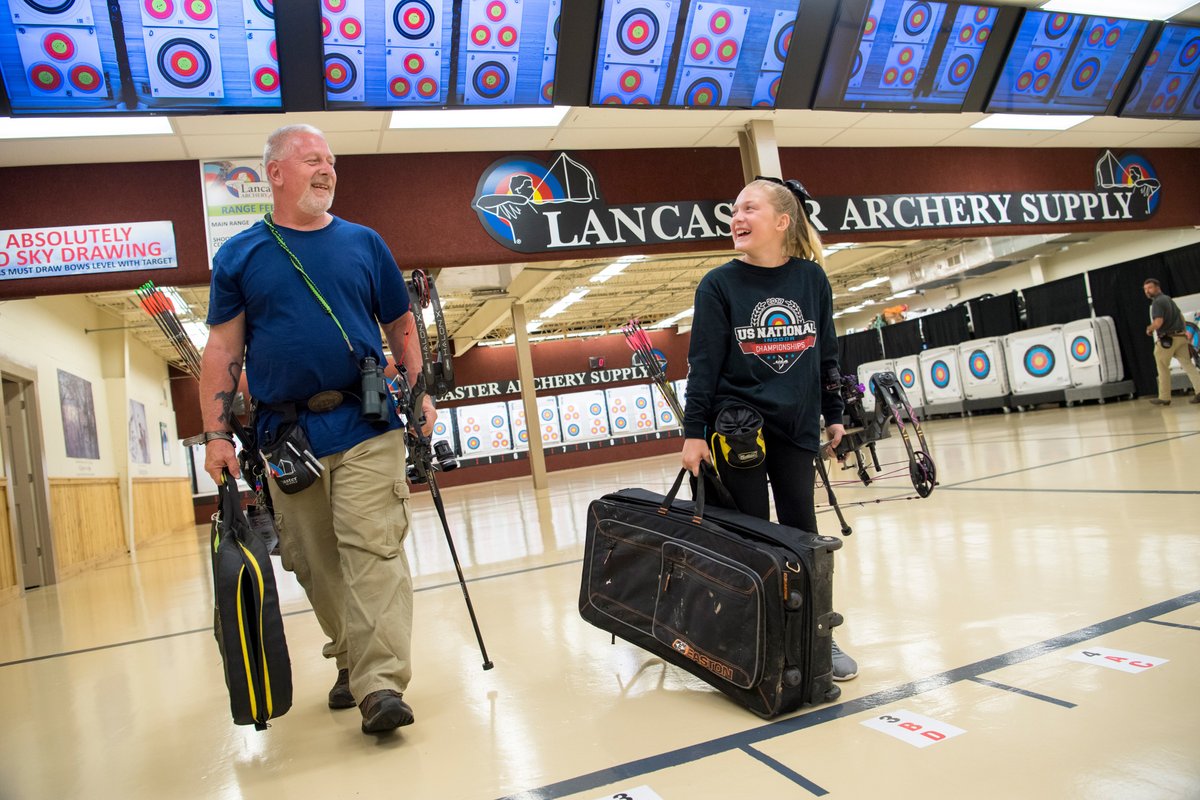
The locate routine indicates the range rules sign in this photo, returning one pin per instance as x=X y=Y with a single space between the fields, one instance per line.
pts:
x=78 y=249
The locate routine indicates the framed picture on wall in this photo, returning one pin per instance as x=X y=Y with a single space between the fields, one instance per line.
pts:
x=139 y=437
x=166 y=442
x=78 y=416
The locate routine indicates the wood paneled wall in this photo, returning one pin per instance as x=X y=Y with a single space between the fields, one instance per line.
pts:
x=8 y=550
x=161 y=506
x=85 y=515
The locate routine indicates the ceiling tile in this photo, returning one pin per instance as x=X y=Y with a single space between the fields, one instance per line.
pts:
x=1163 y=139
x=116 y=149
x=974 y=137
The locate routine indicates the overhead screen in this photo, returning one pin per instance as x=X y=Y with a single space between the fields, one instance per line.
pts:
x=717 y=55
x=82 y=56
x=1167 y=86
x=404 y=53
x=1067 y=63
x=908 y=55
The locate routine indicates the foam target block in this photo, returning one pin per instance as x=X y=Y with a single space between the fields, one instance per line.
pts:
x=664 y=415
x=858 y=69
x=960 y=68
x=1037 y=360
x=179 y=13
x=779 y=41
x=584 y=416
x=628 y=84
x=342 y=22
x=703 y=88
x=865 y=373
x=414 y=76
x=415 y=23
x=494 y=25
x=631 y=410
x=918 y=22
x=183 y=62
x=548 y=422
x=766 y=89
x=553 y=26
x=1038 y=71
x=982 y=368
x=715 y=36
x=908 y=372
x=1083 y=352
x=61 y=62
x=444 y=429
x=51 y=12
x=259 y=14
x=343 y=69
x=638 y=33
x=1085 y=76
x=940 y=375
x=1057 y=30
x=491 y=78
x=483 y=429
x=902 y=67
x=263 y=56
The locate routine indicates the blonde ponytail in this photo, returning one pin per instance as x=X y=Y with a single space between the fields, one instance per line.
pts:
x=801 y=238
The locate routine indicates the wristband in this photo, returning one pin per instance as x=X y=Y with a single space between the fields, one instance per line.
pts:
x=208 y=436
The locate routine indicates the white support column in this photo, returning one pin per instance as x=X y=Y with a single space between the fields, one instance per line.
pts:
x=537 y=456
x=760 y=153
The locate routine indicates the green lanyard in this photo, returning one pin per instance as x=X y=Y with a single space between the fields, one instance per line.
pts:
x=312 y=287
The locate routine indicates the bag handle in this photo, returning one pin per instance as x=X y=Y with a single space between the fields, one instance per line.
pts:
x=230 y=502
x=669 y=500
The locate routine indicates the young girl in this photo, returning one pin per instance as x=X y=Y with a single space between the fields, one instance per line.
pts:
x=762 y=342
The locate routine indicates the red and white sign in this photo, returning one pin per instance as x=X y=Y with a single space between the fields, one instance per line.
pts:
x=1117 y=659
x=913 y=728
x=80 y=249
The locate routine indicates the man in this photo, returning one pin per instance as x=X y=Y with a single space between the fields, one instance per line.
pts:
x=305 y=339
x=1171 y=341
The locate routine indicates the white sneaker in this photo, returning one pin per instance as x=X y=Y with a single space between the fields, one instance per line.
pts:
x=844 y=667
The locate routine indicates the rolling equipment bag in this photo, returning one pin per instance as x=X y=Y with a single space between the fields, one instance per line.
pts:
x=740 y=602
x=247 y=622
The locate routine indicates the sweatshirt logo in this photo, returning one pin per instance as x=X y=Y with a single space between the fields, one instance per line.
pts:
x=777 y=334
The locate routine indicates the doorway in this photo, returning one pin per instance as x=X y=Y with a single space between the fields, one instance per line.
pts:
x=22 y=446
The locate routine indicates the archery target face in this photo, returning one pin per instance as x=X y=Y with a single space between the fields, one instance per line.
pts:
x=857 y=71
x=342 y=22
x=494 y=25
x=478 y=432
x=583 y=416
x=344 y=73
x=553 y=24
x=1084 y=78
x=259 y=14
x=704 y=88
x=491 y=78
x=979 y=364
x=414 y=76
x=264 y=63
x=62 y=62
x=629 y=408
x=902 y=67
x=628 y=84
x=939 y=374
x=766 y=90
x=414 y=23
x=664 y=416
x=715 y=36
x=1038 y=361
x=179 y=13
x=960 y=68
x=1081 y=349
x=908 y=378
x=918 y=21
x=546 y=92
x=637 y=31
x=51 y=12
x=779 y=41
x=183 y=63
x=1056 y=30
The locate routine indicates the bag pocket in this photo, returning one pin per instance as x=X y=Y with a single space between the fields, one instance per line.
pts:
x=710 y=610
x=289 y=459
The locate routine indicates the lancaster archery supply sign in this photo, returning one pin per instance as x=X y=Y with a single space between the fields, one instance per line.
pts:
x=532 y=208
x=236 y=195
x=83 y=249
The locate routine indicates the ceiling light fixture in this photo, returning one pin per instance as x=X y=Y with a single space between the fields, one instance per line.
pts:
x=669 y=321
x=869 y=284
x=1029 y=122
x=615 y=268
x=573 y=297
x=539 y=117
x=72 y=127
x=905 y=293
x=1143 y=9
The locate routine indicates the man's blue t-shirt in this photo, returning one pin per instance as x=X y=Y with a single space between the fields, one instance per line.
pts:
x=293 y=348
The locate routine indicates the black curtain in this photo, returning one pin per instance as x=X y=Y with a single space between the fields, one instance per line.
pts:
x=946 y=328
x=1181 y=275
x=1117 y=293
x=902 y=339
x=858 y=348
x=1057 y=302
x=995 y=316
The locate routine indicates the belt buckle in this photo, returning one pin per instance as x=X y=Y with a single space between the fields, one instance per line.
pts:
x=325 y=401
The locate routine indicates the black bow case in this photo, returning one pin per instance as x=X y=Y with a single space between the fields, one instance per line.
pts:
x=247 y=622
x=740 y=602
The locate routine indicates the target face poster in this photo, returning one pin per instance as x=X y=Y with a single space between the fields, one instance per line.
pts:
x=236 y=195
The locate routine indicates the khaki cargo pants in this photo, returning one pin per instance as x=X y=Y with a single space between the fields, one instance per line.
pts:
x=344 y=538
x=1162 y=359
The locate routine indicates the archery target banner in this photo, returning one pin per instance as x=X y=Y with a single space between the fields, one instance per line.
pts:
x=263 y=57
x=259 y=14
x=940 y=375
x=701 y=88
x=584 y=416
x=494 y=25
x=664 y=416
x=715 y=36
x=178 y=13
x=444 y=429
x=184 y=63
x=908 y=372
x=414 y=23
x=864 y=373
x=414 y=76
x=1037 y=360
x=51 y=12
x=491 y=79
x=344 y=80
x=483 y=429
x=342 y=22
x=548 y=422
x=982 y=368
x=631 y=410
x=62 y=62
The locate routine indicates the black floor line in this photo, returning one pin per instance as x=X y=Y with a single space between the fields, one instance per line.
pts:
x=1175 y=624
x=701 y=750
x=1025 y=692
x=785 y=771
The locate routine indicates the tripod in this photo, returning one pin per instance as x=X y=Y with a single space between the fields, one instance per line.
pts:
x=420 y=451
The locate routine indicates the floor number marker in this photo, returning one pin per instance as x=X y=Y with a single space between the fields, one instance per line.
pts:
x=1117 y=659
x=913 y=728
x=638 y=793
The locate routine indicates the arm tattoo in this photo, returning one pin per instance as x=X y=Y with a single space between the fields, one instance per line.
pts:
x=226 y=398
